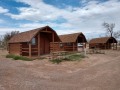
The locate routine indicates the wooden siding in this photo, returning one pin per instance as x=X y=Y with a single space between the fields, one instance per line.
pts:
x=25 y=48
x=100 y=46
x=55 y=47
x=44 y=45
x=58 y=46
x=14 y=48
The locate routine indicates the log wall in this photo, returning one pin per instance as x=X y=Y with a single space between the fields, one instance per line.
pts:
x=14 y=48
x=57 y=46
x=100 y=46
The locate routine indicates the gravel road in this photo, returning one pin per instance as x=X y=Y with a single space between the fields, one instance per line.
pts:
x=97 y=72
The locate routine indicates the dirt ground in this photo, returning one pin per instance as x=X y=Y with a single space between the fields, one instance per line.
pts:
x=96 y=72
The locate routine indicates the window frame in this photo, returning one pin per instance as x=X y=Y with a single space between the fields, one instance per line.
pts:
x=69 y=44
x=33 y=41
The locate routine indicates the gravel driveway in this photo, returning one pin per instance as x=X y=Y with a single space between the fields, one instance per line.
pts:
x=97 y=72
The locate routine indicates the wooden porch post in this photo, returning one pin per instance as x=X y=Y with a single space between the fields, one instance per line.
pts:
x=73 y=46
x=29 y=49
x=116 y=46
x=85 y=45
x=113 y=45
x=38 y=44
x=105 y=45
x=53 y=41
x=77 y=44
x=20 y=49
x=109 y=45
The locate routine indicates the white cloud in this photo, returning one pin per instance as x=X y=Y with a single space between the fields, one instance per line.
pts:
x=2 y=21
x=87 y=19
x=60 y=29
x=37 y=25
x=4 y=30
x=37 y=12
x=2 y=10
x=41 y=11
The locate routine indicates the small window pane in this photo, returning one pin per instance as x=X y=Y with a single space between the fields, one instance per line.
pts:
x=33 y=41
x=60 y=45
x=69 y=44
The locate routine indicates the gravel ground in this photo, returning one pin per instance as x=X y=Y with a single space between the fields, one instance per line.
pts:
x=96 y=72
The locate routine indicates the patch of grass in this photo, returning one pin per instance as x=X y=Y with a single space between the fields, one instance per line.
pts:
x=71 y=57
x=57 y=61
x=66 y=59
x=40 y=58
x=15 y=57
x=10 y=56
x=75 y=57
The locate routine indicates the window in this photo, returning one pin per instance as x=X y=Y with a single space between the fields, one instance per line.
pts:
x=61 y=45
x=69 y=44
x=33 y=41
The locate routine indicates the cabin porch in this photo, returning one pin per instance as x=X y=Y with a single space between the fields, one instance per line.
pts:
x=39 y=45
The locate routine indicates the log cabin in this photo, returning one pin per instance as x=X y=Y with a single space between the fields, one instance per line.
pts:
x=69 y=42
x=34 y=42
x=103 y=43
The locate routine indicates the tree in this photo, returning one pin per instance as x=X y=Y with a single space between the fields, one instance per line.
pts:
x=8 y=36
x=109 y=28
x=117 y=34
x=1 y=41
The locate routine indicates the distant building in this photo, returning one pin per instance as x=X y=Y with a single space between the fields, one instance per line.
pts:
x=103 y=43
x=69 y=42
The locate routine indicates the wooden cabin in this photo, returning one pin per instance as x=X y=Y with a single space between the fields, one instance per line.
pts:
x=69 y=42
x=103 y=43
x=34 y=42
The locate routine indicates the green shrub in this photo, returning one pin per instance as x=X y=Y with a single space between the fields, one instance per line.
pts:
x=66 y=59
x=76 y=57
x=10 y=56
x=71 y=57
x=57 y=61
x=15 y=57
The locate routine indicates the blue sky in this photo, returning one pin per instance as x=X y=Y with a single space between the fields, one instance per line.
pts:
x=64 y=16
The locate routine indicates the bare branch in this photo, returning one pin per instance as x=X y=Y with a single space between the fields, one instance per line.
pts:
x=109 y=28
x=7 y=37
x=117 y=34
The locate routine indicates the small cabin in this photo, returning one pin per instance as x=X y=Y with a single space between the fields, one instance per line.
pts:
x=69 y=42
x=103 y=43
x=34 y=42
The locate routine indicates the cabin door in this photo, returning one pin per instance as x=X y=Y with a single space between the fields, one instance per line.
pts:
x=44 y=45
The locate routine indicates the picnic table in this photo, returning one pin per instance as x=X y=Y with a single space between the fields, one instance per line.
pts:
x=96 y=51
x=59 y=54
